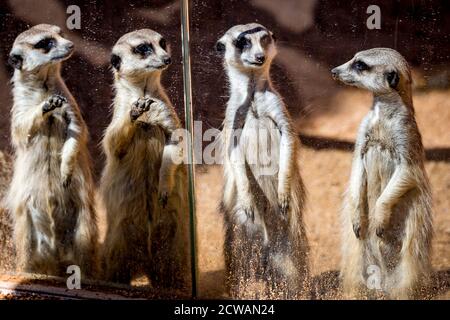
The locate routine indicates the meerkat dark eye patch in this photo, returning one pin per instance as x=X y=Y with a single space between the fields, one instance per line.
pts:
x=220 y=47
x=393 y=79
x=144 y=49
x=116 y=61
x=163 y=44
x=46 y=44
x=360 y=66
x=242 y=43
x=15 y=61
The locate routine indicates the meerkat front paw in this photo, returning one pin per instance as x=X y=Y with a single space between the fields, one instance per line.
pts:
x=163 y=198
x=55 y=101
x=139 y=107
x=359 y=225
x=164 y=190
x=357 y=229
x=283 y=204
x=244 y=213
x=66 y=175
x=358 y=217
x=381 y=212
x=163 y=195
x=66 y=180
x=380 y=229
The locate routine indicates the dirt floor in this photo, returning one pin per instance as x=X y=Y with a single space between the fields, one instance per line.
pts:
x=325 y=173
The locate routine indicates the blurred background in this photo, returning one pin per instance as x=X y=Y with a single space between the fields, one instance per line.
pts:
x=314 y=36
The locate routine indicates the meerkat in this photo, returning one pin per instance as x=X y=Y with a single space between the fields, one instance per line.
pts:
x=263 y=195
x=143 y=188
x=51 y=196
x=387 y=217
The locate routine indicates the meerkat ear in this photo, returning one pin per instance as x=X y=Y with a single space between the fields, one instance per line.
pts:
x=273 y=36
x=220 y=47
x=15 y=61
x=116 y=61
x=393 y=79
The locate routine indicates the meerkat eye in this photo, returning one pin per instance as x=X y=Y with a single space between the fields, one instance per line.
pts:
x=163 y=44
x=265 y=40
x=46 y=44
x=143 y=49
x=243 y=43
x=360 y=66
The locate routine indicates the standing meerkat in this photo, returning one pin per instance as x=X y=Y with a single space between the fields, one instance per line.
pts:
x=263 y=194
x=387 y=218
x=51 y=197
x=143 y=189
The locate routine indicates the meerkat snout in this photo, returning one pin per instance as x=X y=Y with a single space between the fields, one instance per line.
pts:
x=260 y=58
x=335 y=73
x=70 y=46
x=249 y=46
x=379 y=70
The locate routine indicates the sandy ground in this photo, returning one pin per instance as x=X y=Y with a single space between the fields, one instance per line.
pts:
x=325 y=173
x=325 y=180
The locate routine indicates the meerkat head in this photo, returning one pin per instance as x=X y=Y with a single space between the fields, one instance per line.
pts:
x=380 y=70
x=249 y=46
x=140 y=52
x=38 y=47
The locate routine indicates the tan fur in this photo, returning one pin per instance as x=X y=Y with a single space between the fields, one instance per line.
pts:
x=263 y=202
x=388 y=201
x=51 y=193
x=144 y=235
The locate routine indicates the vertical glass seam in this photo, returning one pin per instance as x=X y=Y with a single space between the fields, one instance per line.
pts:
x=189 y=126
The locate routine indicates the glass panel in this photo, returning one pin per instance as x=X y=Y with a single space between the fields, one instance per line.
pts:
x=142 y=199
x=311 y=37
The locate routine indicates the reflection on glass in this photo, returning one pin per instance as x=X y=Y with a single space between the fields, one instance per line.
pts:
x=138 y=196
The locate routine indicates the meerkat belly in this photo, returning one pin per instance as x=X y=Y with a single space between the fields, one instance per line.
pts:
x=380 y=162
x=38 y=185
x=261 y=141
x=379 y=166
x=137 y=174
x=40 y=163
x=146 y=150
